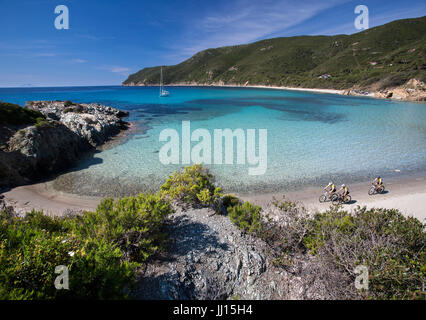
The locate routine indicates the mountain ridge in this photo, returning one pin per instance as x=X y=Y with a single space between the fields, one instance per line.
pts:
x=377 y=58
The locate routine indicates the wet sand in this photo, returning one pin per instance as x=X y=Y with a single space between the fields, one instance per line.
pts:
x=40 y=196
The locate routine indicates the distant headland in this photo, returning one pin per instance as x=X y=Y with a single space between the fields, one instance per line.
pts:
x=387 y=61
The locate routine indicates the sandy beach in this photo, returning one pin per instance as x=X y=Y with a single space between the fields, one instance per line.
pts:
x=40 y=196
x=332 y=91
x=399 y=93
x=406 y=194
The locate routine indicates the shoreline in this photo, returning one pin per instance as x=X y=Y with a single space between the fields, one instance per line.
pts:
x=408 y=194
x=385 y=94
x=41 y=197
x=317 y=90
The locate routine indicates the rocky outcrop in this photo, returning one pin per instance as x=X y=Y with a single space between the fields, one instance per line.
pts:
x=208 y=257
x=91 y=122
x=32 y=152
x=412 y=90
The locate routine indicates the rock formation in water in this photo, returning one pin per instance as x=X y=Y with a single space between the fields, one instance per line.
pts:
x=31 y=149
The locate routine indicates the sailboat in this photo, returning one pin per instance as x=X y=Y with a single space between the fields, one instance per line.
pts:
x=163 y=92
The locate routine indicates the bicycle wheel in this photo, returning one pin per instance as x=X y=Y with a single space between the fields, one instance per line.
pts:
x=348 y=199
x=380 y=189
x=371 y=191
x=334 y=197
x=336 y=200
x=322 y=198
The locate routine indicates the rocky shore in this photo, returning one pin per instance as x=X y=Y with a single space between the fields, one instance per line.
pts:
x=62 y=133
x=412 y=90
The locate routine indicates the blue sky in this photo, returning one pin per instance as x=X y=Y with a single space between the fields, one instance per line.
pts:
x=109 y=39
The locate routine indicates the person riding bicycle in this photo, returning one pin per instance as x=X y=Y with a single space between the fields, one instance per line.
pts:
x=331 y=188
x=378 y=182
x=344 y=190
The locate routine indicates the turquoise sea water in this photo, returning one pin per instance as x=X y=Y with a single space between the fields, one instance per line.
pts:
x=312 y=138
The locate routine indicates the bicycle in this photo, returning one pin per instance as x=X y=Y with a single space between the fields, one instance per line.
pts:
x=376 y=189
x=340 y=199
x=326 y=197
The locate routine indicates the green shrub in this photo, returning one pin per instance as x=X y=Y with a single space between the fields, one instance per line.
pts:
x=133 y=223
x=68 y=103
x=42 y=123
x=101 y=249
x=194 y=185
x=109 y=277
x=389 y=244
x=224 y=203
x=32 y=247
x=247 y=217
x=16 y=115
x=230 y=200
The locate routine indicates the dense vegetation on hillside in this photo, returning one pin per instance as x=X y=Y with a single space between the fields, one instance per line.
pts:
x=386 y=55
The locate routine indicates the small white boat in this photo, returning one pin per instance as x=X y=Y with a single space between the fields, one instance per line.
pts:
x=163 y=92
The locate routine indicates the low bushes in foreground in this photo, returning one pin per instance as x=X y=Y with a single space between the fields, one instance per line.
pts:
x=389 y=244
x=134 y=224
x=102 y=250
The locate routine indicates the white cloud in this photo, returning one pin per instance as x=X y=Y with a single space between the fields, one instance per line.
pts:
x=46 y=54
x=79 y=61
x=94 y=38
x=119 y=69
x=247 y=21
x=115 y=69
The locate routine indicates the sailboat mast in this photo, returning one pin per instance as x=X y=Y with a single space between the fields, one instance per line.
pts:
x=163 y=93
x=161 y=80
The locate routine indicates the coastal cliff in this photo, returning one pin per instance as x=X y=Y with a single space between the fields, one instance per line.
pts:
x=46 y=137
x=382 y=62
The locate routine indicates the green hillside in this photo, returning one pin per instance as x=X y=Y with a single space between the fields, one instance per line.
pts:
x=386 y=55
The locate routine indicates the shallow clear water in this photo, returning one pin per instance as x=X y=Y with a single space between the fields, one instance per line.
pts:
x=312 y=138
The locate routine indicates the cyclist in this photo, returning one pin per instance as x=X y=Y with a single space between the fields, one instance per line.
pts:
x=344 y=190
x=331 y=188
x=378 y=182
